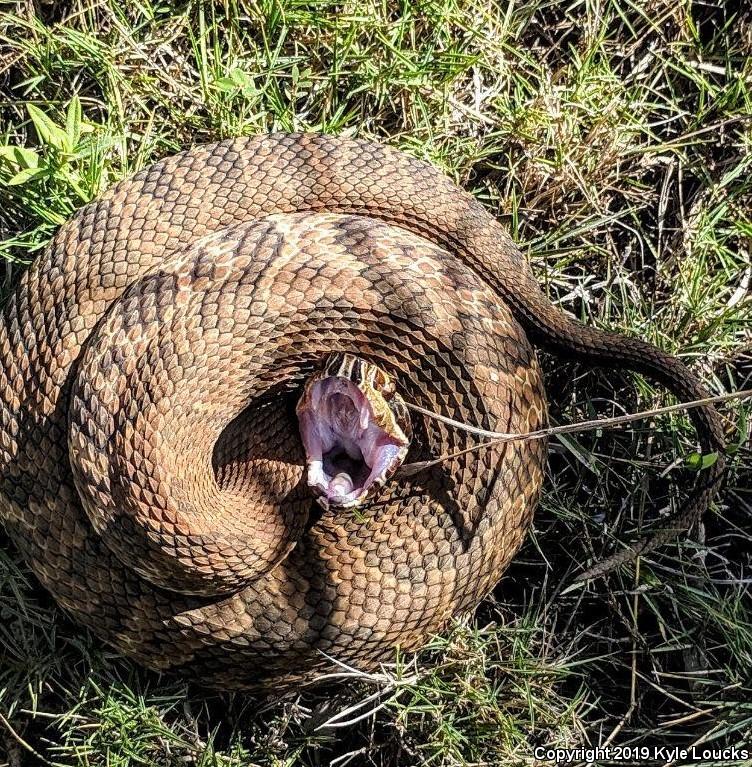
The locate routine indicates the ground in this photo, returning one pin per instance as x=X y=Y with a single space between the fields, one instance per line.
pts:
x=613 y=136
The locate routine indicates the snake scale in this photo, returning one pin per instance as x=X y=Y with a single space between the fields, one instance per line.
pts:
x=151 y=466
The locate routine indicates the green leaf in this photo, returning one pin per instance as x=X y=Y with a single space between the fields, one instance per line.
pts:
x=27 y=174
x=237 y=80
x=48 y=132
x=240 y=78
x=586 y=458
x=226 y=84
x=699 y=461
x=20 y=156
x=75 y=184
x=73 y=121
x=30 y=83
x=743 y=434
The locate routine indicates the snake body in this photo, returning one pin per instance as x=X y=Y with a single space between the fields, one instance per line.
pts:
x=151 y=471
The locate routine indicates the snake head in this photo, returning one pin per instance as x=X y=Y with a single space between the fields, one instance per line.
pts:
x=355 y=428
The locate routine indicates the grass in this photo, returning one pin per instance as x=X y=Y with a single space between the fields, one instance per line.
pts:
x=614 y=138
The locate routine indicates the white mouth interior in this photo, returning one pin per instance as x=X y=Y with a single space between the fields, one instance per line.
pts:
x=346 y=451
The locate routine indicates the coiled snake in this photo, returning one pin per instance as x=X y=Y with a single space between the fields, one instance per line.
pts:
x=151 y=467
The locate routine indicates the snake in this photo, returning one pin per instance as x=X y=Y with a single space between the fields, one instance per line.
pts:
x=204 y=382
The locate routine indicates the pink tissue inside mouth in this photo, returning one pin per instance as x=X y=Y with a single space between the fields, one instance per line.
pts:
x=346 y=451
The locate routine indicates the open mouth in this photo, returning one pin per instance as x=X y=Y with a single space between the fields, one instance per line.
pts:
x=349 y=450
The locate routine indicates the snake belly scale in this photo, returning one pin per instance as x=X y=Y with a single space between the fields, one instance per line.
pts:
x=151 y=470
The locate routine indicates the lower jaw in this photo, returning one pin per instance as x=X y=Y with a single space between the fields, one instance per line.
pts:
x=339 y=489
x=349 y=501
x=348 y=478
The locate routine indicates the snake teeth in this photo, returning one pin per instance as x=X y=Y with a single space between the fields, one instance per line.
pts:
x=341 y=485
x=316 y=477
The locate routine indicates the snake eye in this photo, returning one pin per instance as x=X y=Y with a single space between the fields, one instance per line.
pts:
x=387 y=389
